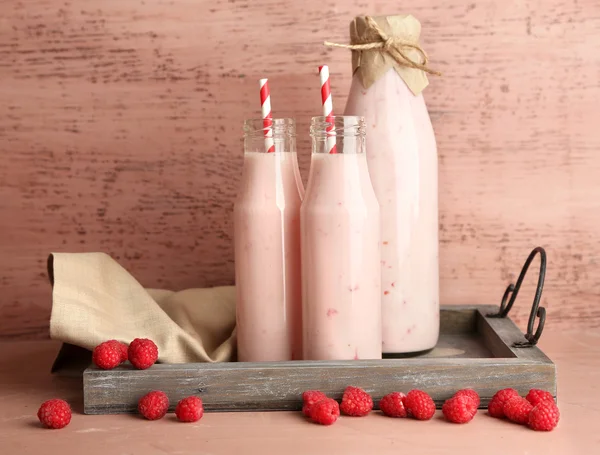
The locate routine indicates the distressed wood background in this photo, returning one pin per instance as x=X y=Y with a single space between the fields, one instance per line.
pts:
x=120 y=132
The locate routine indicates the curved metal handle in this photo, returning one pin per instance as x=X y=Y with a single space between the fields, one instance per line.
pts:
x=536 y=311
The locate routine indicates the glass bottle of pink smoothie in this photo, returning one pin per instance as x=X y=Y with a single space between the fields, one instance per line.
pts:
x=267 y=246
x=341 y=273
x=402 y=158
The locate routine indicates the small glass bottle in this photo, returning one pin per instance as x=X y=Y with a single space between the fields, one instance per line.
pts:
x=267 y=246
x=341 y=273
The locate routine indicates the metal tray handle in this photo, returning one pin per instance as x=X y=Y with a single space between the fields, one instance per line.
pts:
x=536 y=310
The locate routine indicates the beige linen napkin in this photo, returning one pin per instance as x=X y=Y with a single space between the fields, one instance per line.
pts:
x=95 y=299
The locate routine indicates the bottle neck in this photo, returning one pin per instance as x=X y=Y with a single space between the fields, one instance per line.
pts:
x=346 y=145
x=270 y=136
x=338 y=135
x=279 y=143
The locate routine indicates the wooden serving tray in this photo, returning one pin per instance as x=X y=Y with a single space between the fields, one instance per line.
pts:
x=474 y=350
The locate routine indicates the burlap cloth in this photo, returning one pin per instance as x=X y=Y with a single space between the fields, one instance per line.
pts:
x=95 y=299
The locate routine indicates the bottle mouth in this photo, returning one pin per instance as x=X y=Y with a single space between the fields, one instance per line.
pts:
x=258 y=127
x=322 y=127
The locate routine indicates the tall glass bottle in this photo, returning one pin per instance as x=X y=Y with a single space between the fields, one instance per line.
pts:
x=267 y=246
x=341 y=275
x=402 y=158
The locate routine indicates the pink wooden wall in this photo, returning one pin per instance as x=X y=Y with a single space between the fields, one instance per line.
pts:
x=120 y=132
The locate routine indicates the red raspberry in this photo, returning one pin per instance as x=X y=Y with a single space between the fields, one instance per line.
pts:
x=106 y=355
x=536 y=396
x=310 y=398
x=142 y=353
x=517 y=409
x=325 y=412
x=55 y=414
x=392 y=405
x=356 y=402
x=154 y=405
x=189 y=409
x=122 y=348
x=496 y=405
x=544 y=416
x=459 y=409
x=471 y=394
x=419 y=405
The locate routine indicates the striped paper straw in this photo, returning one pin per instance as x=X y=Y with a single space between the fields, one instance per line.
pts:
x=327 y=106
x=265 y=107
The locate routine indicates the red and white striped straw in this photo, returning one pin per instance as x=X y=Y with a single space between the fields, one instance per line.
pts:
x=265 y=107
x=327 y=106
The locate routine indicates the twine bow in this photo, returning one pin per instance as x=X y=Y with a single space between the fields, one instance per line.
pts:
x=395 y=47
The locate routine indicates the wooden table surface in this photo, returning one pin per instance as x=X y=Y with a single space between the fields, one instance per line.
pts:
x=25 y=383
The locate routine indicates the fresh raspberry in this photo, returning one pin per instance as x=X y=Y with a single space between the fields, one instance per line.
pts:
x=310 y=398
x=544 y=416
x=517 y=409
x=356 y=402
x=471 y=394
x=189 y=409
x=392 y=405
x=142 y=353
x=496 y=405
x=325 y=412
x=536 y=396
x=459 y=409
x=122 y=348
x=106 y=355
x=55 y=413
x=419 y=405
x=154 y=405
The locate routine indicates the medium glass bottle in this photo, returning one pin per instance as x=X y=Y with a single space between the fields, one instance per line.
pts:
x=341 y=274
x=267 y=246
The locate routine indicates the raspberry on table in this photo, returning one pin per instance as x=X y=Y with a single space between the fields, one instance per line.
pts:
x=122 y=348
x=154 y=405
x=356 y=402
x=309 y=399
x=325 y=412
x=107 y=355
x=544 y=416
x=142 y=353
x=471 y=394
x=459 y=409
x=517 y=409
x=392 y=405
x=536 y=396
x=419 y=405
x=496 y=405
x=189 y=409
x=55 y=413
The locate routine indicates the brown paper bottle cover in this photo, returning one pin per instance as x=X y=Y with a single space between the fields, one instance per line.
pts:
x=370 y=65
x=94 y=299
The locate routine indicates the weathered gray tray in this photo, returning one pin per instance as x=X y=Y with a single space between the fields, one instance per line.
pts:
x=474 y=351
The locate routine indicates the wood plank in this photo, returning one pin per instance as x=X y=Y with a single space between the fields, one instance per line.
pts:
x=500 y=335
x=120 y=132
x=247 y=386
x=499 y=345
x=459 y=318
